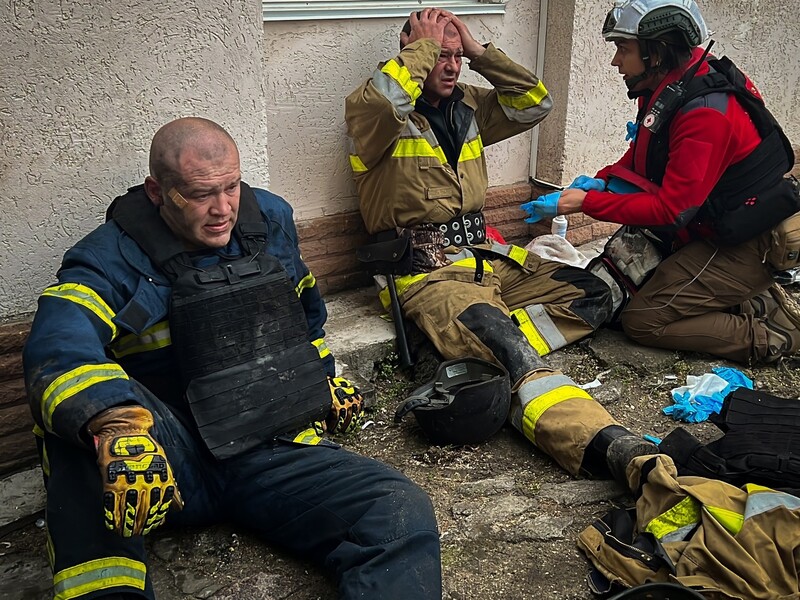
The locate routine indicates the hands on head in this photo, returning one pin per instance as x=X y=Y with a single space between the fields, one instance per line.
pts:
x=432 y=23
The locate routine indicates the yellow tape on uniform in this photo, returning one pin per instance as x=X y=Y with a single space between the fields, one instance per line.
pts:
x=539 y=405
x=403 y=77
x=471 y=150
x=415 y=147
x=533 y=97
x=86 y=297
x=100 y=574
x=686 y=512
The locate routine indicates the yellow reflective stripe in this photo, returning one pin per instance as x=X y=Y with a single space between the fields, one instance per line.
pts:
x=100 y=574
x=539 y=405
x=154 y=337
x=322 y=347
x=308 y=437
x=38 y=431
x=86 y=297
x=684 y=513
x=74 y=381
x=518 y=255
x=414 y=147
x=403 y=77
x=471 y=150
x=306 y=282
x=529 y=330
x=533 y=97
x=401 y=284
x=357 y=164
x=45 y=460
x=730 y=520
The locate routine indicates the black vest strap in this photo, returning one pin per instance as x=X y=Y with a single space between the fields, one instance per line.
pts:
x=774 y=152
x=140 y=219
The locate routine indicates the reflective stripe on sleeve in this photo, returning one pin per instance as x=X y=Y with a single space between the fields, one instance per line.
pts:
x=99 y=574
x=74 y=381
x=86 y=297
x=321 y=347
x=397 y=86
x=306 y=282
x=357 y=164
x=533 y=97
x=152 y=338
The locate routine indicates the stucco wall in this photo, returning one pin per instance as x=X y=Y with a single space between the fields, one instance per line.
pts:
x=310 y=67
x=761 y=36
x=85 y=85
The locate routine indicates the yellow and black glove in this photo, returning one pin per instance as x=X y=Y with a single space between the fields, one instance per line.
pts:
x=346 y=407
x=138 y=485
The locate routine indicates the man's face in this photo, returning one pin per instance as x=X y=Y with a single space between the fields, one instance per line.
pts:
x=628 y=60
x=210 y=188
x=441 y=81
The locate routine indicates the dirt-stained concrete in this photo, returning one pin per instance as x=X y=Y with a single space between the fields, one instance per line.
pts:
x=508 y=516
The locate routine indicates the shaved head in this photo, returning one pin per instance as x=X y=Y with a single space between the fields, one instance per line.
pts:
x=205 y=138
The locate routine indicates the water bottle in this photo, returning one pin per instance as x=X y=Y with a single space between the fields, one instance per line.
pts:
x=559 y=226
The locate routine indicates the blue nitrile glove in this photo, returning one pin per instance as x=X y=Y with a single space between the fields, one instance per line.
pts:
x=631 y=129
x=586 y=183
x=544 y=207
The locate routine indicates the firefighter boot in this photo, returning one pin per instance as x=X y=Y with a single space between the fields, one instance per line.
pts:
x=782 y=324
x=622 y=450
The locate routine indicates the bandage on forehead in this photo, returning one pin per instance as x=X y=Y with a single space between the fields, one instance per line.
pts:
x=176 y=197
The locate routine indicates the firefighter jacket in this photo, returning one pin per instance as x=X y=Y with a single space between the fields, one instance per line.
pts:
x=106 y=322
x=400 y=169
x=710 y=153
x=723 y=541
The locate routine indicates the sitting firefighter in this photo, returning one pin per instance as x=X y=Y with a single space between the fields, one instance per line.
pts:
x=705 y=175
x=182 y=353
x=420 y=170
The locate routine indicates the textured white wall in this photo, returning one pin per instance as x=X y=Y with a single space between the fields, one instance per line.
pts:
x=311 y=66
x=760 y=36
x=85 y=85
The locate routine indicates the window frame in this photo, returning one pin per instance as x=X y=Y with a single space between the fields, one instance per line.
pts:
x=315 y=10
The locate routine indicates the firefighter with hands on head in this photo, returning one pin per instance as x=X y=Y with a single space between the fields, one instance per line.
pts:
x=704 y=179
x=418 y=138
x=174 y=373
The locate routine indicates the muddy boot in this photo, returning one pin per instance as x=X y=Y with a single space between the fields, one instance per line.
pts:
x=782 y=324
x=623 y=450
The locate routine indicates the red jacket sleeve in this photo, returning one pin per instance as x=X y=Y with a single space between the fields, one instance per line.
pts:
x=704 y=142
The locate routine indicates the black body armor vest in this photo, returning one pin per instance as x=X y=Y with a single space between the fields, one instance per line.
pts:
x=761 y=443
x=752 y=196
x=248 y=370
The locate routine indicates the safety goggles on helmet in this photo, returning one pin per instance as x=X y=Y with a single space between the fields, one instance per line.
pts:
x=467 y=402
x=650 y=19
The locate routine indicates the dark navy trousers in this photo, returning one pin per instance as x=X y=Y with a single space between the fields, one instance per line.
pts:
x=370 y=527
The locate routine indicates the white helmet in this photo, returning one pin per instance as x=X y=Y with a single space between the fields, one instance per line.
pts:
x=650 y=19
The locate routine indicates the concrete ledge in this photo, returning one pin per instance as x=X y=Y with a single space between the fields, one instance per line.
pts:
x=356 y=332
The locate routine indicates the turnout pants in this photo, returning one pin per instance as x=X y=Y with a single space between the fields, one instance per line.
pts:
x=558 y=303
x=369 y=526
x=690 y=301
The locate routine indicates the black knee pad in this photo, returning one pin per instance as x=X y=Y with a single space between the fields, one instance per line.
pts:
x=499 y=333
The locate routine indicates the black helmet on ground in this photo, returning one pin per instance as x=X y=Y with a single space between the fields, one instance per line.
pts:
x=467 y=402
